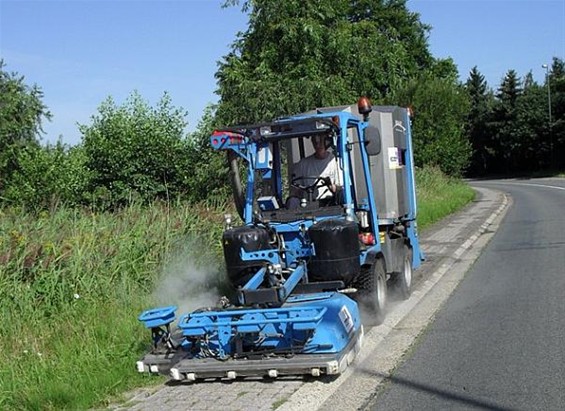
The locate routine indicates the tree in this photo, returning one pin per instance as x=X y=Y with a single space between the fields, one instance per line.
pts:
x=21 y=114
x=135 y=151
x=297 y=55
x=529 y=80
x=557 y=130
x=476 y=129
x=504 y=116
x=509 y=90
x=531 y=146
x=512 y=133
x=440 y=106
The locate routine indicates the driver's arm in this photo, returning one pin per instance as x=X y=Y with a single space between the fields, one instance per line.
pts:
x=330 y=184
x=335 y=178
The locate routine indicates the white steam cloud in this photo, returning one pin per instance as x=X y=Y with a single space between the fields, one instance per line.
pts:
x=190 y=279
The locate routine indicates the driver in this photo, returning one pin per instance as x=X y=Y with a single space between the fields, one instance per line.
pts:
x=320 y=164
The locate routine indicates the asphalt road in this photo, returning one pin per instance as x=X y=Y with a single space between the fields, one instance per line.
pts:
x=499 y=340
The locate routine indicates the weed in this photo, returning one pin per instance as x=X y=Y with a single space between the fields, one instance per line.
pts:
x=278 y=403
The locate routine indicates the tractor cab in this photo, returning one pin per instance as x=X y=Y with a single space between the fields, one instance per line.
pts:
x=285 y=180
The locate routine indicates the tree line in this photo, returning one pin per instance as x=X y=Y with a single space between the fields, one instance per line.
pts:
x=293 y=57
x=519 y=127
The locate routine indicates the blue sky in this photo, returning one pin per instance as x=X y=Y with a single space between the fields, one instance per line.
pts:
x=80 y=52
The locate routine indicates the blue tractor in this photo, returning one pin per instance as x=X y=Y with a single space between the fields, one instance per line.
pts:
x=306 y=266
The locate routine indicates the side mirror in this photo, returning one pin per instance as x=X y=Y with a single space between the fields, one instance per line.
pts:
x=372 y=141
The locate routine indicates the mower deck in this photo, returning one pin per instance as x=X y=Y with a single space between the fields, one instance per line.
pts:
x=179 y=367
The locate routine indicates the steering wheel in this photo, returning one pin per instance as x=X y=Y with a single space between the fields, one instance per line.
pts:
x=309 y=189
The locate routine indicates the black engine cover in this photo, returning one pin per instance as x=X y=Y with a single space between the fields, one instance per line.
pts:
x=336 y=244
x=250 y=238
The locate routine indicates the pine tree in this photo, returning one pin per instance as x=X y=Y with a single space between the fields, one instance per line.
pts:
x=503 y=119
x=557 y=89
x=476 y=126
x=530 y=151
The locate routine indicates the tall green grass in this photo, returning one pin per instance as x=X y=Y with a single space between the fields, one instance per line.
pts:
x=439 y=195
x=72 y=284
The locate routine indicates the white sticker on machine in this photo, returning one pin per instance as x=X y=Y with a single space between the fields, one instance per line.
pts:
x=393 y=158
x=346 y=319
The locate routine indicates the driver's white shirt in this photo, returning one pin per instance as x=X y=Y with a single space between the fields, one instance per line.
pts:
x=315 y=167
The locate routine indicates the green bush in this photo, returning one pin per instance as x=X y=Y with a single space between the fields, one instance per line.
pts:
x=208 y=180
x=135 y=152
x=47 y=176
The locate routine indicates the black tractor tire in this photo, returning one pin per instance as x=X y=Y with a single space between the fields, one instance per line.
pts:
x=372 y=292
x=403 y=279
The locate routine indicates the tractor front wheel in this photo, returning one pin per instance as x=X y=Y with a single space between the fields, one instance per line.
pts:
x=372 y=292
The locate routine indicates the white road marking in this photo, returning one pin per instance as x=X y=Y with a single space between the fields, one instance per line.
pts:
x=526 y=184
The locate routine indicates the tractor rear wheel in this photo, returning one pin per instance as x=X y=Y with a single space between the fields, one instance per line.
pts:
x=372 y=292
x=403 y=279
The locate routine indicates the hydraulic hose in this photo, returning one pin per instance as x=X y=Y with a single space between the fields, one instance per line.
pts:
x=235 y=180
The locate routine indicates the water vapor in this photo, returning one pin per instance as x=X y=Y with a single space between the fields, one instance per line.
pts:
x=191 y=279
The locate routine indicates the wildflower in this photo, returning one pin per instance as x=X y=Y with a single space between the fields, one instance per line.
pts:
x=17 y=237
x=76 y=296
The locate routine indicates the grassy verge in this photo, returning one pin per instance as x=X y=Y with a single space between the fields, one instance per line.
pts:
x=439 y=196
x=71 y=287
x=72 y=284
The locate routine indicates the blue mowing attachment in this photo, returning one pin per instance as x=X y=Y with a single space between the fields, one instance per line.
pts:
x=310 y=334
